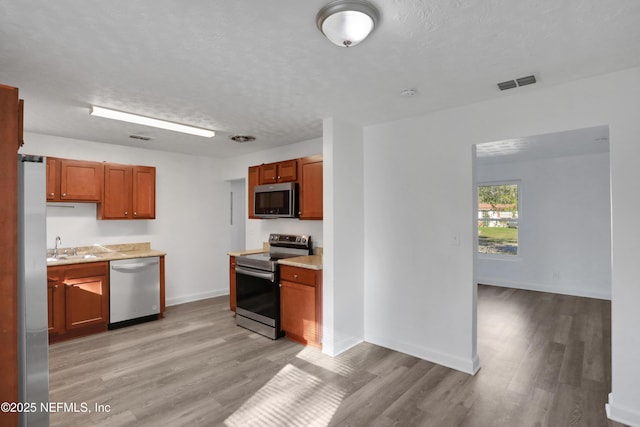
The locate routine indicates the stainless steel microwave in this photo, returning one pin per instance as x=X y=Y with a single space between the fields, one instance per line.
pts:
x=276 y=200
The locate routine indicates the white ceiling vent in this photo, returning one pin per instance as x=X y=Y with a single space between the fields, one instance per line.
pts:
x=243 y=138
x=140 y=137
x=522 y=81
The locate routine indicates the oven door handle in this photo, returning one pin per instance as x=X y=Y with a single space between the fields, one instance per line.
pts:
x=260 y=274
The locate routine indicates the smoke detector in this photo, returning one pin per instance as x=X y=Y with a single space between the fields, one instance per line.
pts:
x=242 y=138
x=408 y=93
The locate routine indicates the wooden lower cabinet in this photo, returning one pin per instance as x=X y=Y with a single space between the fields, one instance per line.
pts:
x=232 y=283
x=55 y=304
x=78 y=300
x=301 y=304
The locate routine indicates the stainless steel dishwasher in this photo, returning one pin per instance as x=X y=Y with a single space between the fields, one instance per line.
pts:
x=134 y=294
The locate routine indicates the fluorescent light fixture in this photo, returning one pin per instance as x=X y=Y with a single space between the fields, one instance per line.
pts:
x=148 y=121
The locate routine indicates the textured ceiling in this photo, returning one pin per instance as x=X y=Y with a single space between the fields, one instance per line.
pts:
x=262 y=68
x=594 y=140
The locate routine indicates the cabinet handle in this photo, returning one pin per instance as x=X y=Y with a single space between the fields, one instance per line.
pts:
x=52 y=194
x=126 y=213
x=64 y=194
x=295 y=276
x=278 y=176
x=55 y=286
x=135 y=214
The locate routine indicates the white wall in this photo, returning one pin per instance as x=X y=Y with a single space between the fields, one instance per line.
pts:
x=419 y=278
x=343 y=259
x=258 y=230
x=564 y=234
x=238 y=214
x=192 y=211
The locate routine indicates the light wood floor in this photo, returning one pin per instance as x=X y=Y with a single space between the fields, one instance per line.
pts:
x=545 y=362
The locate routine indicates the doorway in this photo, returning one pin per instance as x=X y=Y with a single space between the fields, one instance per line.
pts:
x=563 y=213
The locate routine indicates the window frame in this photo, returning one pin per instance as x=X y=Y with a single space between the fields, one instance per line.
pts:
x=518 y=220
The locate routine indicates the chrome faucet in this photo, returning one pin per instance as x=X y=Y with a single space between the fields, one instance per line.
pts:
x=55 y=248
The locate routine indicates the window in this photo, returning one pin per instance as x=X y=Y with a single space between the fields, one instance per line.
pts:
x=498 y=218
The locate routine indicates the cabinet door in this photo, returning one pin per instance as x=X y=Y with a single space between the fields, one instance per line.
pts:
x=311 y=206
x=298 y=315
x=80 y=180
x=116 y=202
x=87 y=301
x=55 y=306
x=269 y=173
x=144 y=192
x=287 y=171
x=53 y=178
x=253 y=179
x=232 y=283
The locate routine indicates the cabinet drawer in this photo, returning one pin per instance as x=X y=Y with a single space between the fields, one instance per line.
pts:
x=296 y=274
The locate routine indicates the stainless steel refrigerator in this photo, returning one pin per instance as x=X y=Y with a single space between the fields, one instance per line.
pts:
x=33 y=341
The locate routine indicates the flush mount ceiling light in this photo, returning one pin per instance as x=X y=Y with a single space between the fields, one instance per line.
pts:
x=148 y=121
x=347 y=22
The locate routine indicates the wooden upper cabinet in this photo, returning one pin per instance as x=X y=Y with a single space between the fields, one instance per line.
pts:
x=116 y=203
x=53 y=179
x=306 y=171
x=310 y=175
x=81 y=180
x=74 y=180
x=286 y=171
x=129 y=192
x=253 y=179
x=144 y=192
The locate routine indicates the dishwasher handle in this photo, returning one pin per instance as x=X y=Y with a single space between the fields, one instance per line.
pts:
x=133 y=266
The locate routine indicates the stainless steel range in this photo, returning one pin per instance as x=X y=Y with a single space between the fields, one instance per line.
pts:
x=258 y=287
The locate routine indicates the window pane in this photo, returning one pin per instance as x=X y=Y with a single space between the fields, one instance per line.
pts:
x=498 y=219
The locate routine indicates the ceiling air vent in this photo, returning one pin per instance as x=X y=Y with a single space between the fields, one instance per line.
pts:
x=140 y=137
x=243 y=138
x=522 y=81
x=507 y=85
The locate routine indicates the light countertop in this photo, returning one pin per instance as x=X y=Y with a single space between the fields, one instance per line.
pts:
x=312 y=262
x=98 y=253
x=247 y=252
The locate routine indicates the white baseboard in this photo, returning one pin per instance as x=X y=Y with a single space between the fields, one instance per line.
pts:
x=335 y=345
x=543 y=288
x=468 y=366
x=182 y=299
x=628 y=416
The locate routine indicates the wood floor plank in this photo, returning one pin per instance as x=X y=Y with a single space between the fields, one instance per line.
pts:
x=545 y=362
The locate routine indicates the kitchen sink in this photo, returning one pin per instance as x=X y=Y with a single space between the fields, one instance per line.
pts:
x=71 y=257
